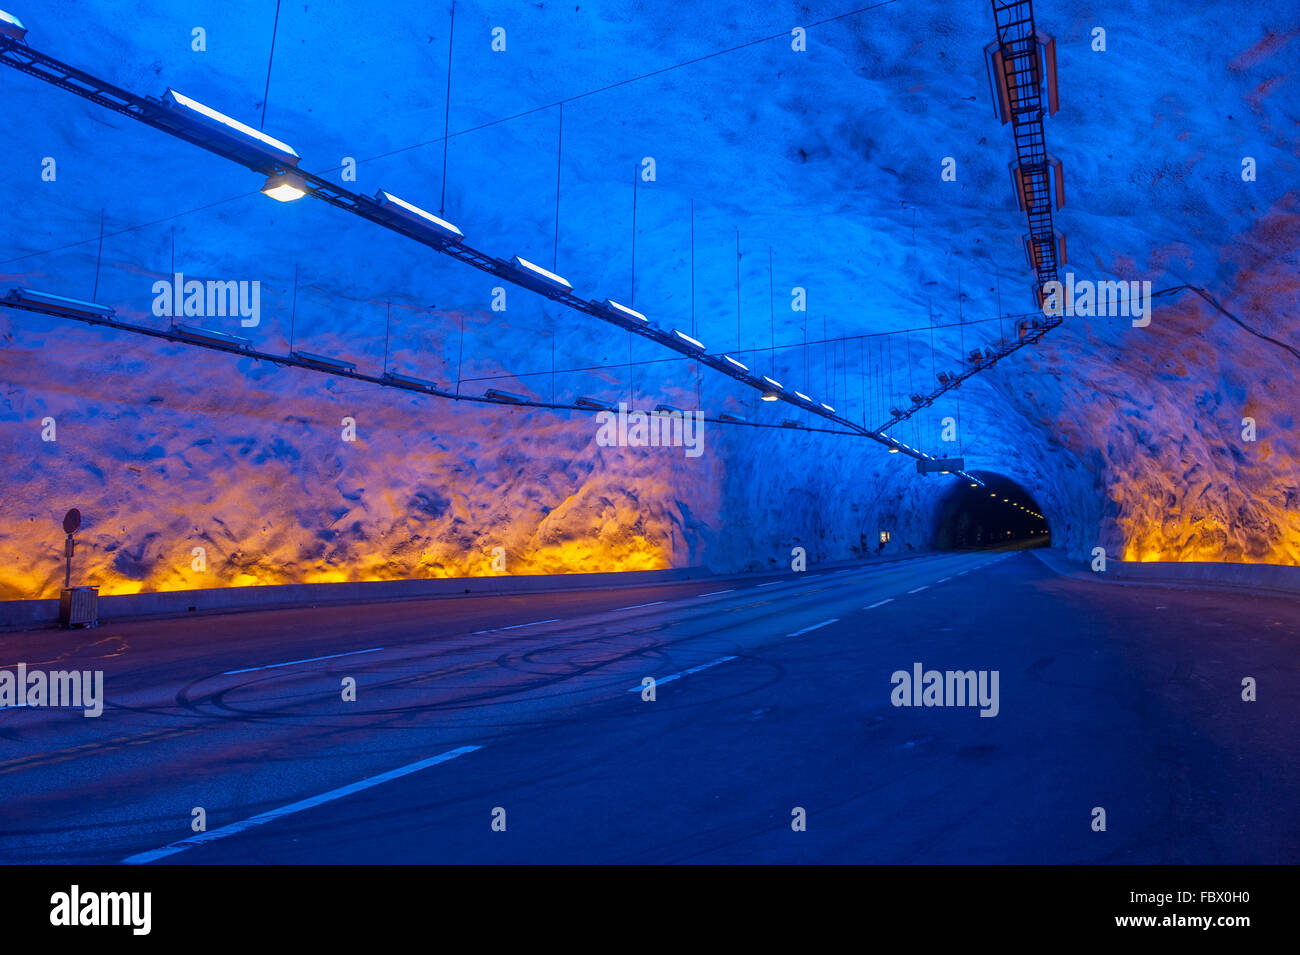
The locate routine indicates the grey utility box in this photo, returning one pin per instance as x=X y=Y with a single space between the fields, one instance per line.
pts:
x=79 y=607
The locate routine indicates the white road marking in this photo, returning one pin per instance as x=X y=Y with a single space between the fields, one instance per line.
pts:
x=289 y=663
x=878 y=603
x=943 y=580
x=716 y=592
x=659 y=681
x=535 y=623
x=772 y=583
x=916 y=591
x=816 y=626
x=270 y=816
x=653 y=603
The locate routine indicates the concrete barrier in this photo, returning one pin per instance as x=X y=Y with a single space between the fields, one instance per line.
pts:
x=1264 y=578
x=25 y=614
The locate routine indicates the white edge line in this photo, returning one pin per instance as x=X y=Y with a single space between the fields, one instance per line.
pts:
x=271 y=815
x=773 y=583
x=535 y=623
x=816 y=626
x=716 y=592
x=660 y=681
x=289 y=663
x=653 y=603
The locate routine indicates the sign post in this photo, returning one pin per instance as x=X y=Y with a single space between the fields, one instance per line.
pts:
x=71 y=521
x=78 y=606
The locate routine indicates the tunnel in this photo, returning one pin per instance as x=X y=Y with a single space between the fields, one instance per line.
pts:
x=988 y=512
x=617 y=433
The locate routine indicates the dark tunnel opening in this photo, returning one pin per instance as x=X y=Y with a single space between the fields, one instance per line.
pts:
x=1000 y=512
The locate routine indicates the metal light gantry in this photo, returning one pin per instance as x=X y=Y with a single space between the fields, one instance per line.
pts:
x=233 y=346
x=1022 y=91
x=18 y=54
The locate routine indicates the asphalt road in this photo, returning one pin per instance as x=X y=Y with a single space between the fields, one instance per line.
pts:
x=773 y=695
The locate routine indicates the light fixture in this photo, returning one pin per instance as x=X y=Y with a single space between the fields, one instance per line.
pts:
x=736 y=363
x=770 y=396
x=427 y=221
x=828 y=407
x=895 y=449
x=11 y=26
x=667 y=409
x=800 y=394
x=625 y=311
x=688 y=339
x=591 y=404
x=44 y=301
x=410 y=382
x=233 y=131
x=285 y=187
x=322 y=361
x=210 y=336
x=507 y=396
x=973 y=484
x=546 y=276
x=790 y=423
x=733 y=418
x=773 y=382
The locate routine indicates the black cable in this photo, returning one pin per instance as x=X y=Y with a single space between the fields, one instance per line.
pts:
x=266 y=92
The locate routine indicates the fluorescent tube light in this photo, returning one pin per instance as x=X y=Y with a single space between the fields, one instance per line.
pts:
x=44 y=301
x=624 y=311
x=688 y=339
x=545 y=275
x=11 y=26
x=211 y=336
x=231 y=129
x=407 y=380
x=421 y=217
x=323 y=361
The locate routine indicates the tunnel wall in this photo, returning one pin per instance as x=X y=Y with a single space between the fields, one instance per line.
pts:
x=1129 y=438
